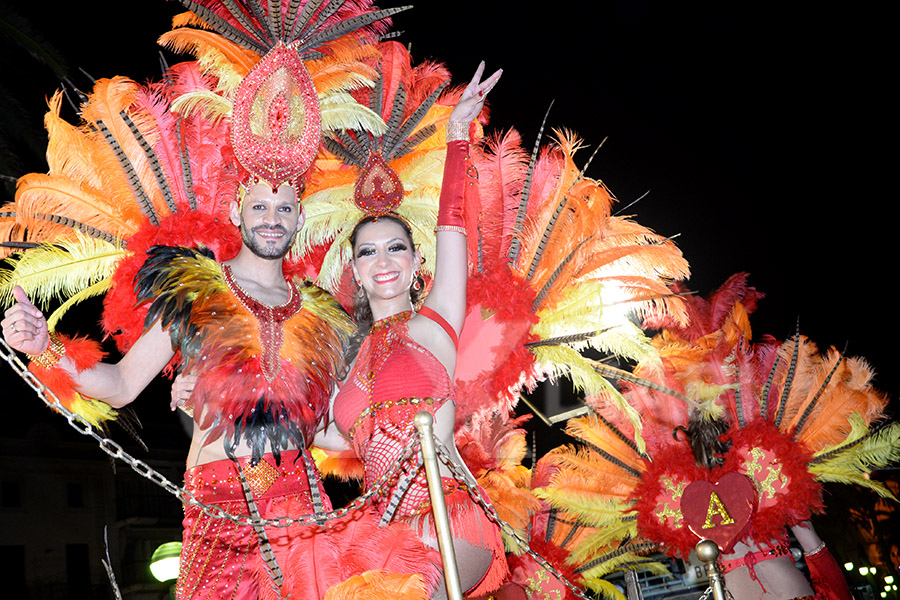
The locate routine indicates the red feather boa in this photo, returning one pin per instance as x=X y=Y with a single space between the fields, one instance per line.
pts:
x=84 y=354
x=493 y=355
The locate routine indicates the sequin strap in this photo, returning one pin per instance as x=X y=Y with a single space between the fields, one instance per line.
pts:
x=275 y=574
x=437 y=318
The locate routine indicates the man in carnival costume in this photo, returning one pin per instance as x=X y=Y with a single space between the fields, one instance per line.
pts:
x=248 y=320
x=265 y=345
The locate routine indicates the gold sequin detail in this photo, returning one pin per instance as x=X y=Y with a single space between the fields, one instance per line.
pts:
x=261 y=477
x=376 y=406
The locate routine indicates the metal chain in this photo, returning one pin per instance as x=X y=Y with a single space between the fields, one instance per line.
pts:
x=114 y=450
x=475 y=492
x=709 y=590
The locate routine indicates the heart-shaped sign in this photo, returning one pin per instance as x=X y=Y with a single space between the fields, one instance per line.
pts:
x=719 y=511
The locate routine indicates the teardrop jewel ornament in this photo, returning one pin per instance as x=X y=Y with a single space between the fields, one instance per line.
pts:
x=378 y=188
x=276 y=123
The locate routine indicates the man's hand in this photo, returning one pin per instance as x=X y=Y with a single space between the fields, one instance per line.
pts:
x=24 y=326
x=182 y=388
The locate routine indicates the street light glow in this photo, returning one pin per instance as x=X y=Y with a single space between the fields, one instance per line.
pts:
x=164 y=562
x=864 y=570
x=889 y=579
x=848 y=566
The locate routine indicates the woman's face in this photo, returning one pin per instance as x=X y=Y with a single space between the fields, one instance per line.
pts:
x=384 y=260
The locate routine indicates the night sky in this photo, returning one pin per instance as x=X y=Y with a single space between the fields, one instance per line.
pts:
x=761 y=133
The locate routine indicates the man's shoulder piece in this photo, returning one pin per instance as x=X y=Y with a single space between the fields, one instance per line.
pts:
x=172 y=278
x=325 y=306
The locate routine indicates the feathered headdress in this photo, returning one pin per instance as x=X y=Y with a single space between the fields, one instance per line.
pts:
x=398 y=171
x=285 y=71
x=153 y=164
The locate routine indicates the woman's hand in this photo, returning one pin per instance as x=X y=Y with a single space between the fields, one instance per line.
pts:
x=24 y=326
x=472 y=100
x=182 y=388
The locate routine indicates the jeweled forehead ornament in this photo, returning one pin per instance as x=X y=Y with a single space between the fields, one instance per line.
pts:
x=276 y=124
x=378 y=190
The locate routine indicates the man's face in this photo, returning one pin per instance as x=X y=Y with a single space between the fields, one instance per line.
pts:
x=268 y=221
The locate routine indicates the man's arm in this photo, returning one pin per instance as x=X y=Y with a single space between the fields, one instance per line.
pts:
x=119 y=384
x=25 y=329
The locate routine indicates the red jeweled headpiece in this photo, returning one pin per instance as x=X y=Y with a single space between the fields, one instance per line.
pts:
x=276 y=123
x=378 y=189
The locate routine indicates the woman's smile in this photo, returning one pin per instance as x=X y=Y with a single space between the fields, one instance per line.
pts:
x=386 y=277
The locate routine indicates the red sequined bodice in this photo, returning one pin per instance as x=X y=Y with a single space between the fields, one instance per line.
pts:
x=392 y=379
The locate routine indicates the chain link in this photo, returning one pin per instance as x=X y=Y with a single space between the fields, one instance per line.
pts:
x=475 y=492
x=114 y=450
x=709 y=590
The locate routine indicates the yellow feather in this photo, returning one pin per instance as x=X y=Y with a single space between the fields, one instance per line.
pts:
x=213 y=106
x=603 y=588
x=593 y=576
x=340 y=111
x=61 y=270
x=93 y=411
x=560 y=361
x=326 y=211
x=337 y=257
x=853 y=465
x=97 y=289
x=602 y=539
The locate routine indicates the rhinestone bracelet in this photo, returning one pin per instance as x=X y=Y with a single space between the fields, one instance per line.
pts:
x=52 y=355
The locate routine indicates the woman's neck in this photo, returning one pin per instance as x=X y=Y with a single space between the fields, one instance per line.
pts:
x=382 y=309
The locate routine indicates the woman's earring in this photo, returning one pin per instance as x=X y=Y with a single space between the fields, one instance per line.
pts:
x=417 y=282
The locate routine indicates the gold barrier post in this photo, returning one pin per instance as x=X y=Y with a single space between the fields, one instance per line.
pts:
x=708 y=552
x=425 y=425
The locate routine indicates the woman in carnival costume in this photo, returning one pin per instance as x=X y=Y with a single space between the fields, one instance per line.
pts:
x=405 y=362
x=545 y=256
x=740 y=436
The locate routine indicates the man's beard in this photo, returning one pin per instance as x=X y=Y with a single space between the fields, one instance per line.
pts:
x=264 y=250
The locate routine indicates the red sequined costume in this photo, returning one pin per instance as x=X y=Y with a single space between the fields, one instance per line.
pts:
x=266 y=374
x=392 y=379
